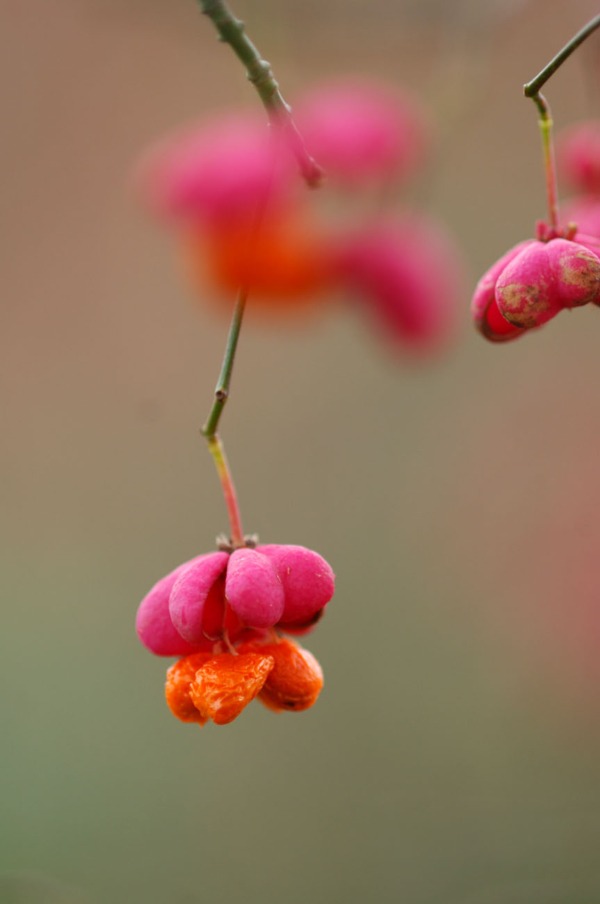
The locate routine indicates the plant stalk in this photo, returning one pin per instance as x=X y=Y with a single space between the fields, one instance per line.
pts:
x=209 y=430
x=532 y=89
x=535 y=85
x=215 y=447
x=222 y=388
x=259 y=72
x=546 y=124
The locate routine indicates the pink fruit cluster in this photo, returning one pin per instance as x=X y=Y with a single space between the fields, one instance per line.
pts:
x=231 y=188
x=234 y=597
x=578 y=157
x=536 y=280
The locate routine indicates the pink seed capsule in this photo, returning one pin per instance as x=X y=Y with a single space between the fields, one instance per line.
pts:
x=544 y=278
x=592 y=243
x=153 y=621
x=235 y=598
x=197 y=603
x=576 y=267
x=307 y=580
x=484 y=310
x=253 y=588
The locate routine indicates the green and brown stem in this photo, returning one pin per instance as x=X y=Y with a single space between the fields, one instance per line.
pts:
x=532 y=89
x=209 y=430
x=259 y=72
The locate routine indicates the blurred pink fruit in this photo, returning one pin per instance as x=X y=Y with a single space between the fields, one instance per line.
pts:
x=410 y=276
x=226 y=171
x=583 y=210
x=359 y=129
x=578 y=155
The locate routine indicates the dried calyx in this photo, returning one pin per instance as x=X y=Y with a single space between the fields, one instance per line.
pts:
x=226 y=544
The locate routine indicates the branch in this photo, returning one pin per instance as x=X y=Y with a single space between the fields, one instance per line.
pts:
x=258 y=71
x=222 y=388
x=534 y=86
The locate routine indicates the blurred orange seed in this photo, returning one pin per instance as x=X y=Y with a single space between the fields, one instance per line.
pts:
x=281 y=262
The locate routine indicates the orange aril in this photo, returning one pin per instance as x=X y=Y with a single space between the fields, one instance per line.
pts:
x=177 y=690
x=281 y=260
x=295 y=680
x=227 y=683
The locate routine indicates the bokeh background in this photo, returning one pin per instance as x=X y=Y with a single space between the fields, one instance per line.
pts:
x=453 y=756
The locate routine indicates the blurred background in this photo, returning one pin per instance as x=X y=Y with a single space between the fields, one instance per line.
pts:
x=453 y=755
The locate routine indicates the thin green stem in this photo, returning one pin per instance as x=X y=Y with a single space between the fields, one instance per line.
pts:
x=222 y=388
x=215 y=446
x=545 y=123
x=533 y=87
x=258 y=71
x=532 y=90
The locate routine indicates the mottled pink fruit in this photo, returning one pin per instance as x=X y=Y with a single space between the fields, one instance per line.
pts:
x=153 y=622
x=484 y=309
x=592 y=243
x=307 y=580
x=253 y=588
x=544 y=278
x=220 y=173
x=196 y=604
x=578 y=155
x=532 y=282
x=358 y=130
x=410 y=275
